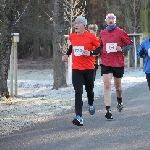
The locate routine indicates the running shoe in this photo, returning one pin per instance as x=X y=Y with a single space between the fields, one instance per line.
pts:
x=78 y=121
x=119 y=107
x=91 y=109
x=108 y=114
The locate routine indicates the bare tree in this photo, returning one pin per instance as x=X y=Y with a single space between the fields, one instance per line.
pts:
x=72 y=9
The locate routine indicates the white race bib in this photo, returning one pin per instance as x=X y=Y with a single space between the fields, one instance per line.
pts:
x=78 y=50
x=111 y=47
x=149 y=52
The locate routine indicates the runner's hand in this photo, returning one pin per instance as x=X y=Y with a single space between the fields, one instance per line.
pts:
x=86 y=53
x=119 y=49
x=65 y=58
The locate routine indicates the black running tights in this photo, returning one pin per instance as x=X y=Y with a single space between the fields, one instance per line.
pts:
x=78 y=77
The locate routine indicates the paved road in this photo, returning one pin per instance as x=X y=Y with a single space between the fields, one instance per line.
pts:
x=129 y=130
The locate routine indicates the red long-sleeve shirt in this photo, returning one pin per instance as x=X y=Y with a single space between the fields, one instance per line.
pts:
x=86 y=41
x=119 y=36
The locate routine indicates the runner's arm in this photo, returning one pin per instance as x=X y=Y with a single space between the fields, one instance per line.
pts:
x=141 y=51
x=96 y=51
x=126 y=48
x=69 y=51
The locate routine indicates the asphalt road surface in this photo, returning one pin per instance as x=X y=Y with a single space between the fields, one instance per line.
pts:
x=129 y=130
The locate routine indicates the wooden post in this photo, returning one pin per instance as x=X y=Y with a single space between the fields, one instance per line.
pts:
x=11 y=69
x=15 y=69
x=135 y=51
x=69 y=70
x=141 y=59
x=13 y=66
x=128 y=59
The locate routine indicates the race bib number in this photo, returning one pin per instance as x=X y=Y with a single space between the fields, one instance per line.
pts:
x=78 y=50
x=111 y=47
x=149 y=52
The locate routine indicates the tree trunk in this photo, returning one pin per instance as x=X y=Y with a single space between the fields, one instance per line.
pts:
x=5 y=48
x=36 y=45
x=144 y=18
x=59 y=74
x=5 y=59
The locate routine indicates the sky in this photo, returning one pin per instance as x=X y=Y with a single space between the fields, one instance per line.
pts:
x=37 y=102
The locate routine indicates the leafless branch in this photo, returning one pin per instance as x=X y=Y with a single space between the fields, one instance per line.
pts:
x=22 y=13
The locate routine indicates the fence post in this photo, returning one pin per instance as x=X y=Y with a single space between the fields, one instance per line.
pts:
x=135 y=53
x=11 y=69
x=128 y=59
x=141 y=59
x=14 y=66
x=15 y=69
x=135 y=50
x=70 y=69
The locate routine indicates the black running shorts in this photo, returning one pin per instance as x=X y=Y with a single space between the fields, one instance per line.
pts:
x=116 y=71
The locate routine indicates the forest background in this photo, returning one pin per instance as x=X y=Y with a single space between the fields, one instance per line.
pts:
x=42 y=24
